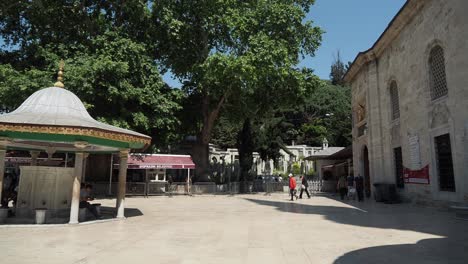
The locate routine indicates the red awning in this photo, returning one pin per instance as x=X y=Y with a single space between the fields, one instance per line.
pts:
x=160 y=161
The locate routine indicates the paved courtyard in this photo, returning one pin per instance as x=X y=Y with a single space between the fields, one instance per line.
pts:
x=247 y=229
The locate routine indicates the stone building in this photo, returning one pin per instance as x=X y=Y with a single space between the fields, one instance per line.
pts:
x=410 y=103
x=292 y=154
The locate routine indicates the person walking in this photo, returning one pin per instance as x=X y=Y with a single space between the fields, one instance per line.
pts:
x=341 y=186
x=359 y=182
x=292 y=186
x=350 y=191
x=304 y=187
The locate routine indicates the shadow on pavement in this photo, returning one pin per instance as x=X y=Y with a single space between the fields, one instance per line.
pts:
x=426 y=251
x=453 y=248
x=110 y=212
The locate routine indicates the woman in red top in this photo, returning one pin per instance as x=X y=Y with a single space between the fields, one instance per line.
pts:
x=292 y=187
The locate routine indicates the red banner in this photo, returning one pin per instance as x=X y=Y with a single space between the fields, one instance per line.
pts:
x=417 y=176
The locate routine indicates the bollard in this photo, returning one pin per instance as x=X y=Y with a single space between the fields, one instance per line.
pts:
x=40 y=215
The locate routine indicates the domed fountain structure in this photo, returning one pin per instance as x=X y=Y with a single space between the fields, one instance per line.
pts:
x=55 y=120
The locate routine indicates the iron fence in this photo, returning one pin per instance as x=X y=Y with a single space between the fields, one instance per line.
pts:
x=136 y=188
x=181 y=188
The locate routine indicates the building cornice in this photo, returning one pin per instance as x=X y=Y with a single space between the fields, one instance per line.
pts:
x=398 y=23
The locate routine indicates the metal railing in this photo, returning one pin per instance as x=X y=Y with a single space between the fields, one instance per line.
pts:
x=157 y=188
x=315 y=186
x=136 y=188
x=181 y=188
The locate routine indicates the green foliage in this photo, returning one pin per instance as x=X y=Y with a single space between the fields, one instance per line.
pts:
x=108 y=61
x=277 y=172
x=235 y=56
x=236 y=59
x=225 y=132
x=296 y=168
x=325 y=113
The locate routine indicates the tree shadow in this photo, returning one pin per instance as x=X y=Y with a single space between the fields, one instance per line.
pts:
x=453 y=248
x=427 y=251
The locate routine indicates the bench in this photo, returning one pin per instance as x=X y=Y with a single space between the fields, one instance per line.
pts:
x=98 y=207
x=461 y=212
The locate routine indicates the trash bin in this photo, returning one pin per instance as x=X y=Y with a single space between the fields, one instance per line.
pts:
x=3 y=214
x=40 y=215
x=378 y=193
x=392 y=194
x=386 y=193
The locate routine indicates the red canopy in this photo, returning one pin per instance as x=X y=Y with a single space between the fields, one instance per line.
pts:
x=160 y=161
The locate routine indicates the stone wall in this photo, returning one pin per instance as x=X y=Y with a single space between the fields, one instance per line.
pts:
x=405 y=61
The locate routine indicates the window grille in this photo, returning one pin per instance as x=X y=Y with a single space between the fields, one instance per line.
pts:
x=394 y=101
x=437 y=73
x=400 y=183
x=445 y=163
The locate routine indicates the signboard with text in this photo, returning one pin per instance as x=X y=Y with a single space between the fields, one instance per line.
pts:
x=417 y=176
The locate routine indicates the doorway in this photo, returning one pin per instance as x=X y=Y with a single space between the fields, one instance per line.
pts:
x=367 y=182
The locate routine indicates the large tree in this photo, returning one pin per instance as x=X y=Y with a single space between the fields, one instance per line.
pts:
x=108 y=62
x=227 y=50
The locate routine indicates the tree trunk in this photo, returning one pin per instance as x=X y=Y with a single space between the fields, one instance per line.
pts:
x=201 y=159
x=245 y=146
x=201 y=148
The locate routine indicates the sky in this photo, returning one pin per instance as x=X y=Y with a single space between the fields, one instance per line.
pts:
x=351 y=27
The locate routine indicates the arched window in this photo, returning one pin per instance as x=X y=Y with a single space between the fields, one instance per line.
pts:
x=437 y=75
x=394 y=99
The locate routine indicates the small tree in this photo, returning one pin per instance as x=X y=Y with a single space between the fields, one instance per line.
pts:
x=338 y=70
x=296 y=168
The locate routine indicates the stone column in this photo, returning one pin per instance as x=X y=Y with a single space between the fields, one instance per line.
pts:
x=50 y=152
x=34 y=156
x=2 y=167
x=120 y=206
x=85 y=163
x=188 y=181
x=75 y=202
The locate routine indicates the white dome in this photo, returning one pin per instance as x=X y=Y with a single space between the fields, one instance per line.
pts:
x=57 y=107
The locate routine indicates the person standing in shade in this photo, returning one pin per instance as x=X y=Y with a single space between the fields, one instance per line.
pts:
x=341 y=186
x=359 y=182
x=350 y=183
x=304 y=187
x=292 y=187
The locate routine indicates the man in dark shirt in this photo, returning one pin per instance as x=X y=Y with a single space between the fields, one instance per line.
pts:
x=85 y=197
x=359 y=187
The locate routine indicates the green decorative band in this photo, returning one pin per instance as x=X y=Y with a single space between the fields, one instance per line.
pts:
x=75 y=131
x=71 y=139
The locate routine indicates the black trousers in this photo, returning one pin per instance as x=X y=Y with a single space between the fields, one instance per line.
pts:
x=293 y=193
x=360 y=194
x=343 y=192
x=90 y=207
x=302 y=190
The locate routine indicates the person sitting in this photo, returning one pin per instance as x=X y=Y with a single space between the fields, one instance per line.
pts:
x=85 y=197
